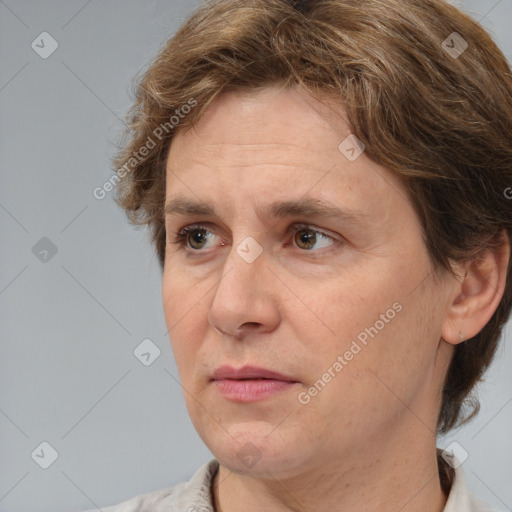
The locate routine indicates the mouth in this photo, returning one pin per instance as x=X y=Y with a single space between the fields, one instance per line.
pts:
x=250 y=383
x=249 y=373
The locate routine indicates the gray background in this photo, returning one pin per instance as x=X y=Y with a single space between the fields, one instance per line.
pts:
x=69 y=325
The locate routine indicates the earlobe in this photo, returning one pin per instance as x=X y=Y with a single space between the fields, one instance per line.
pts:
x=476 y=297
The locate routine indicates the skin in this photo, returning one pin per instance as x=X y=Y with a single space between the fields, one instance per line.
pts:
x=367 y=441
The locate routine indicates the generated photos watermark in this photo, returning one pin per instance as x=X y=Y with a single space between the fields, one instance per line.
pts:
x=140 y=155
x=304 y=397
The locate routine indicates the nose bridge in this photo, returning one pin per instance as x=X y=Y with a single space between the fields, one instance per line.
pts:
x=243 y=267
x=240 y=296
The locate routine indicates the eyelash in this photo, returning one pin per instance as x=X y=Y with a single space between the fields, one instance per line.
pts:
x=180 y=238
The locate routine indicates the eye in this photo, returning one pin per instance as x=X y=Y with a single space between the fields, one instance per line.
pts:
x=196 y=234
x=193 y=237
x=306 y=237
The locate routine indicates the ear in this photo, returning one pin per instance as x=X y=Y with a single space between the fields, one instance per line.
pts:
x=477 y=294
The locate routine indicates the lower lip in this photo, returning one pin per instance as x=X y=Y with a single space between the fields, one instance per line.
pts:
x=251 y=390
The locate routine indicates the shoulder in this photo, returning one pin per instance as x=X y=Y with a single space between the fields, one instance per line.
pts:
x=195 y=493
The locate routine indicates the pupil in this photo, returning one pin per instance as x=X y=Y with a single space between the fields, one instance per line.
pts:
x=196 y=237
x=307 y=239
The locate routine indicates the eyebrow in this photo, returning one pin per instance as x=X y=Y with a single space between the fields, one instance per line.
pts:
x=181 y=205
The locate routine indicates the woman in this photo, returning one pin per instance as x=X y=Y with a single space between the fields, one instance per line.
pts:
x=326 y=184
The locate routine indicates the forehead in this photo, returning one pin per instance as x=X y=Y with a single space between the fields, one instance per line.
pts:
x=285 y=121
x=278 y=144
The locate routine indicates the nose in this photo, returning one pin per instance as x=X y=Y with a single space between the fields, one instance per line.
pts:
x=246 y=297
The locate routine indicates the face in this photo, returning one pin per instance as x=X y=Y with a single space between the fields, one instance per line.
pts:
x=344 y=307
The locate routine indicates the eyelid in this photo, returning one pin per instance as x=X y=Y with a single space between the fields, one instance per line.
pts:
x=312 y=228
x=211 y=227
x=180 y=234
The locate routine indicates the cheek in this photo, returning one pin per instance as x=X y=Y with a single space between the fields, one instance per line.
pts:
x=179 y=297
x=374 y=323
x=184 y=320
x=343 y=309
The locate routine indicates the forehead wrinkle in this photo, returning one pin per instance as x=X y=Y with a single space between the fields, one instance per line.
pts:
x=270 y=149
x=288 y=155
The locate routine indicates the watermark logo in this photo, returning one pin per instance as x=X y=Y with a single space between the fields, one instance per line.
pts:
x=454 y=45
x=249 y=454
x=146 y=352
x=455 y=454
x=44 y=455
x=44 y=45
x=249 y=250
x=352 y=148
x=44 y=250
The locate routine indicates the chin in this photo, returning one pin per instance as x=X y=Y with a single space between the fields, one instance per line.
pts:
x=257 y=451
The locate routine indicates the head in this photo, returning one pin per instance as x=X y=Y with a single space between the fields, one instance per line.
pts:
x=261 y=103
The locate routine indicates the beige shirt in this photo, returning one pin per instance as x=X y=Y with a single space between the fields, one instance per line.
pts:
x=195 y=495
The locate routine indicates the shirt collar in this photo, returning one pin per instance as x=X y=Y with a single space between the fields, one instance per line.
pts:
x=197 y=495
x=459 y=497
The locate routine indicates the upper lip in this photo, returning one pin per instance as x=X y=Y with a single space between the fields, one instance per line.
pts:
x=248 y=372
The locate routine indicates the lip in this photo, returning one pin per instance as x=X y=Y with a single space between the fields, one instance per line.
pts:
x=249 y=372
x=250 y=383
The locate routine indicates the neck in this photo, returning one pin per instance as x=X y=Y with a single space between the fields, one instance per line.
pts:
x=383 y=480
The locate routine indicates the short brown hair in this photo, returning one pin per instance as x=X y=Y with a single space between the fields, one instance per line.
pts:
x=441 y=120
